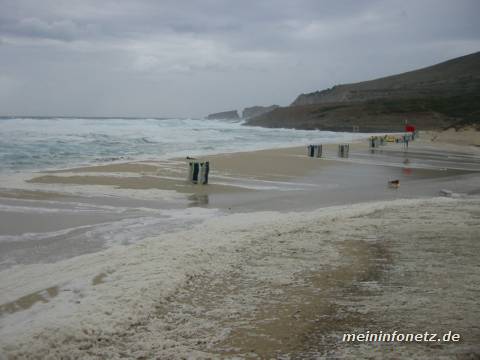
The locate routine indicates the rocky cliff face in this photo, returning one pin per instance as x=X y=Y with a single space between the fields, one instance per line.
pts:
x=228 y=115
x=253 y=111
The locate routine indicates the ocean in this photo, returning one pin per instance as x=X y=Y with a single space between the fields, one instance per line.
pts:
x=31 y=144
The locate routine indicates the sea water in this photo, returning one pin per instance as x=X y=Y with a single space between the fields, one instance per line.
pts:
x=51 y=143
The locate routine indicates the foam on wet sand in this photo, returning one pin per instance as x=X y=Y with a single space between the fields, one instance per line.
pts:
x=260 y=283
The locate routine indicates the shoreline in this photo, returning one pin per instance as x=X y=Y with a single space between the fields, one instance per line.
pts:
x=174 y=172
x=89 y=208
x=237 y=178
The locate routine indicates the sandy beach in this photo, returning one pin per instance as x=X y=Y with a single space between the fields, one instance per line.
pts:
x=277 y=257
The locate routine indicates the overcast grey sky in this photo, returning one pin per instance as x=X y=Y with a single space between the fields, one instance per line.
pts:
x=190 y=58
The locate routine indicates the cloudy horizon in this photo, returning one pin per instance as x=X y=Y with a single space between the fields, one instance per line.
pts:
x=187 y=59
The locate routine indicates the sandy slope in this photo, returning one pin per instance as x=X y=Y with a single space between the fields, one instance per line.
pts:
x=464 y=136
x=259 y=285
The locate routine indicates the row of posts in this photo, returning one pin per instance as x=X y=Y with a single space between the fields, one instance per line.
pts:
x=316 y=150
x=198 y=170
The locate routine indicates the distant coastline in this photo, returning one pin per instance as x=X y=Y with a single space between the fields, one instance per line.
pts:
x=438 y=97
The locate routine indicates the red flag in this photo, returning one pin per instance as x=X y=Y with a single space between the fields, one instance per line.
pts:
x=409 y=128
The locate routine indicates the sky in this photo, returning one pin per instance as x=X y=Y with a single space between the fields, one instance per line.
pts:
x=190 y=58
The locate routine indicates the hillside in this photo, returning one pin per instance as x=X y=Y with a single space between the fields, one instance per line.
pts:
x=435 y=97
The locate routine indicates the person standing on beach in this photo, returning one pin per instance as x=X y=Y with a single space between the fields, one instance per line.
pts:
x=405 y=141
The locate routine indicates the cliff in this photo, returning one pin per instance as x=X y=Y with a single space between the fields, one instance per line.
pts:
x=253 y=111
x=435 y=97
x=228 y=115
x=375 y=116
x=457 y=76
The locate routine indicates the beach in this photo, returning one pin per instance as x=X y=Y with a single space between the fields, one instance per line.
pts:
x=277 y=257
x=203 y=180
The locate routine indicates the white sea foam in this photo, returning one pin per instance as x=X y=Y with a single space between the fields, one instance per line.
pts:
x=137 y=277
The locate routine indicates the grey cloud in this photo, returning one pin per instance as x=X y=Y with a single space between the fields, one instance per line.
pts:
x=65 y=30
x=150 y=57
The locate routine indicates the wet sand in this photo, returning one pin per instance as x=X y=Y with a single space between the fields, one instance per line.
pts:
x=286 y=179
